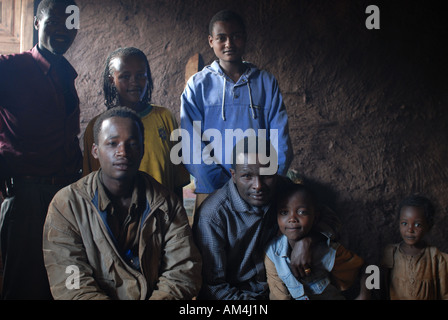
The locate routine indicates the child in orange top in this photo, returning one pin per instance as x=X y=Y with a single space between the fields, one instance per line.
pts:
x=334 y=269
x=414 y=270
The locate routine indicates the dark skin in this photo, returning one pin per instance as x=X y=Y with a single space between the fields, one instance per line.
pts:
x=413 y=228
x=257 y=190
x=228 y=41
x=119 y=150
x=54 y=37
x=130 y=79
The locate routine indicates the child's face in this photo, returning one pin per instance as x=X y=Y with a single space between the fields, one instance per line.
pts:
x=413 y=225
x=130 y=78
x=228 y=41
x=295 y=215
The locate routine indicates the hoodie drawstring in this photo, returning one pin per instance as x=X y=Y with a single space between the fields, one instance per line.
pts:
x=250 y=99
x=223 y=115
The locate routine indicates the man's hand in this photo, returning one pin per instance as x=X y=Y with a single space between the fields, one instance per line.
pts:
x=301 y=257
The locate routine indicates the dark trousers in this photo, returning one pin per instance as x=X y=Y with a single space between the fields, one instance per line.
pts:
x=21 y=228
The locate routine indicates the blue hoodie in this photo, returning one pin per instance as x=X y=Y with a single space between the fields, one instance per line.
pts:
x=215 y=102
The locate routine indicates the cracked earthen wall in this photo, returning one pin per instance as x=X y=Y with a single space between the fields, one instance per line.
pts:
x=368 y=108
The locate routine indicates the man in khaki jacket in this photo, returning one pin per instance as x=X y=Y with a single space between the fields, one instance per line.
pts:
x=117 y=233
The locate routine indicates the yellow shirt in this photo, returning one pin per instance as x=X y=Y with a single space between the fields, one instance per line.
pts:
x=158 y=123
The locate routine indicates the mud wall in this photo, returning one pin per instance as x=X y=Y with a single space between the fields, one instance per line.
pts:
x=367 y=108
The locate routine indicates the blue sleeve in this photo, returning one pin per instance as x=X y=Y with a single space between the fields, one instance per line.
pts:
x=278 y=119
x=208 y=177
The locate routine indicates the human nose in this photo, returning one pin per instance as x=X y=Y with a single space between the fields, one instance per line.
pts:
x=133 y=79
x=121 y=150
x=257 y=183
x=292 y=217
x=229 y=42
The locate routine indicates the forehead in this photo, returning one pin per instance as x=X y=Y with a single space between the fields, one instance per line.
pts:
x=412 y=212
x=246 y=159
x=248 y=162
x=301 y=197
x=227 y=27
x=55 y=10
x=120 y=63
x=119 y=126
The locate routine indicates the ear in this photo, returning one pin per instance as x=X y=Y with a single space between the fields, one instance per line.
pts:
x=210 y=41
x=36 y=23
x=232 y=172
x=95 y=151
x=111 y=80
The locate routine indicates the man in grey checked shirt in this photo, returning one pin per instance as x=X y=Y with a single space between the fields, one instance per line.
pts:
x=233 y=226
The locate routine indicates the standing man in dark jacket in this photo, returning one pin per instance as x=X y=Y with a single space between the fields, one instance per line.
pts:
x=39 y=148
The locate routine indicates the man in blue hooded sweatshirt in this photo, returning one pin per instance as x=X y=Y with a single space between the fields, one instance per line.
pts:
x=229 y=96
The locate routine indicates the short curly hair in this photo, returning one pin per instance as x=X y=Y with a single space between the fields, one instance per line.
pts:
x=226 y=15
x=119 y=111
x=422 y=202
x=45 y=5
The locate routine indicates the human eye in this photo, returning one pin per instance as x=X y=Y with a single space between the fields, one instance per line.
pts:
x=124 y=76
x=220 y=38
x=303 y=212
x=50 y=22
x=141 y=76
x=238 y=36
x=283 y=212
x=134 y=144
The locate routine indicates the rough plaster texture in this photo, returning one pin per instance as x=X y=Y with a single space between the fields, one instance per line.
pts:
x=367 y=108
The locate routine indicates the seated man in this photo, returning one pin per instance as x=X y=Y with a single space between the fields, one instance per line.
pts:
x=235 y=223
x=126 y=234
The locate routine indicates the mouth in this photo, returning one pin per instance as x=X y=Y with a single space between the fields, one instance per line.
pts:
x=135 y=91
x=61 y=38
x=122 y=165
x=258 y=196
x=294 y=228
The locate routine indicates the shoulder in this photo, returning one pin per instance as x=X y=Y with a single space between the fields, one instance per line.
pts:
x=208 y=75
x=256 y=73
x=438 y=255
x=16 y=57
x=68 y=201
x=276 y=246
x=216 y=206
x=14 y=62
x=161 y=111
x=387 y=259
